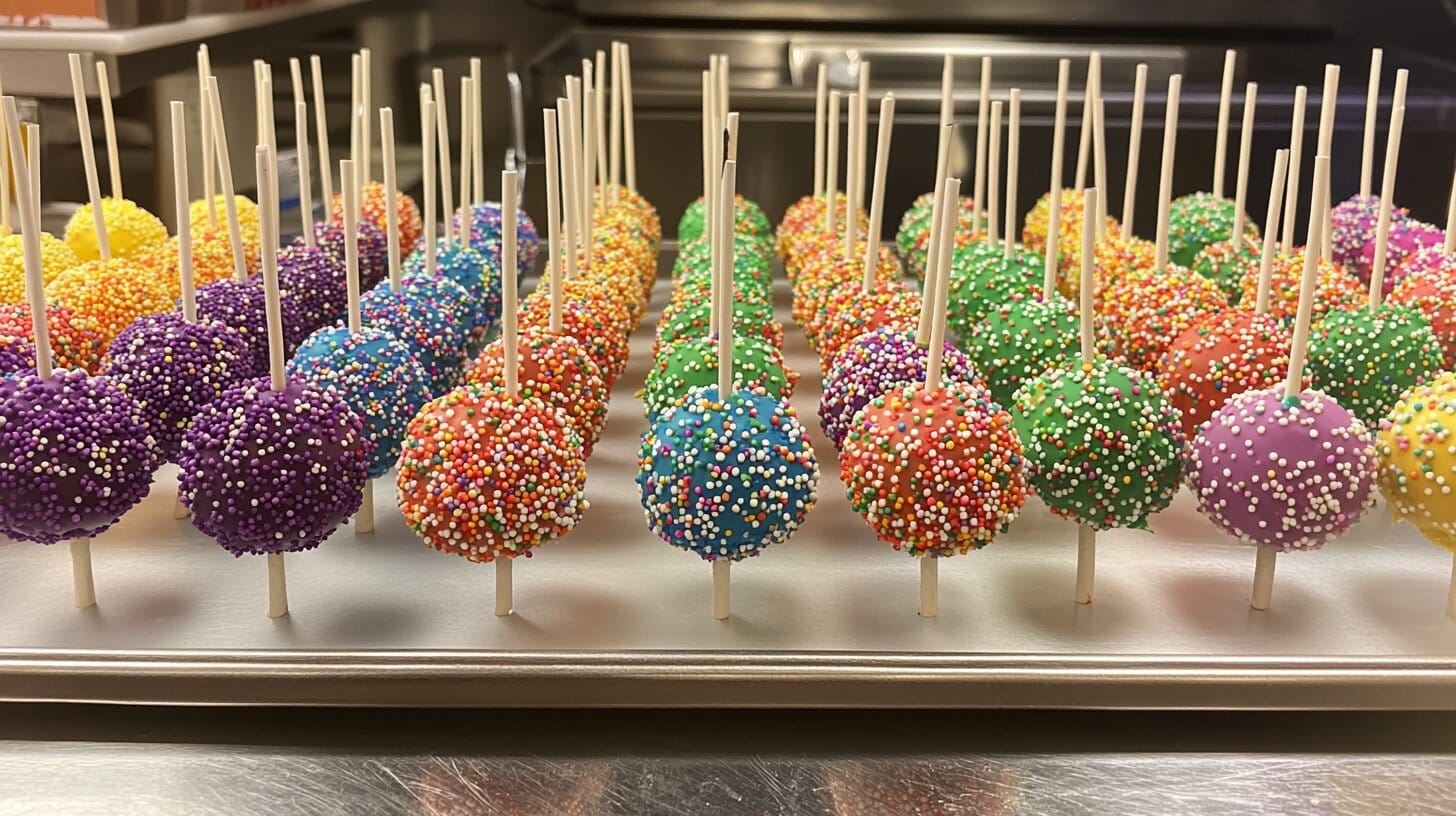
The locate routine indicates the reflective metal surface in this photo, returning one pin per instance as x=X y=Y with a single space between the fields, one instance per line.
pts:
x=611 y=616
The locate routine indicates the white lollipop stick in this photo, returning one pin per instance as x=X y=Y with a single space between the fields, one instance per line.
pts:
x=277 y=373
x=722 y=566
x=861 y=137
x=628 y=133
x=1326 y=138
x=993 y=183
x=553 y=215
x=1165 y=177
x=1013 y=169
x=1308 y=281
x=1449 y=247
x=947 y=117
x=983 y=102
x=108 y=121
x=831 y=167
x=568 y=180
x=582 y=223
x=1291 y=182
x=851 y=210
x=295 y=74
x=1241 y=181
x=706 y=108
x=1225 y=100
x=1387 y=193
x=305 y=171
x=821 y=100
x=321 y=131
x=209 y=169
x=589 y=150
x=1372 y=107
x=1276 y=202
x=427 y=138
x=184 y=237
x=1134 y=147
x=88 y=156
x=949 y=206
x=277 y=586
x=391 y=182
x=1090 y=93
x=477 y=139
x=614 y=172
x=467 y=158
x=4 y=169
x=599 y=119
x=510 y=333
x=1099 y=164
x=364 y=519
x=932 y=249
x=366 y=122
x=442 y=137
x=32 y=151
x=1054 y=201
x=877 y=196
x=1086 y=535
x=225 y=177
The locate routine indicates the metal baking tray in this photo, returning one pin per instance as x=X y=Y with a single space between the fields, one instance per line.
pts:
x=611 y=616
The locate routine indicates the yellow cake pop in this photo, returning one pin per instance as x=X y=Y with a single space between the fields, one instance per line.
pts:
x=133 y=231
x=1417 y=446
x=55 y=258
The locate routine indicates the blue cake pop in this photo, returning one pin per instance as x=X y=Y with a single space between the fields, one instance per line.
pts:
x=425 y=315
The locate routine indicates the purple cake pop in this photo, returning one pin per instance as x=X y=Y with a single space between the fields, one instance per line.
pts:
x=267 y=471
x=373 y=248
x=313 y=277
x=75 y=455
x=425 y=315
x=874 y=364
x=173 y=368
x=239 y=304
x=16 y=356
x=1406 y=239
x=1352 y=226
x=1283 y=474
x=484 y=234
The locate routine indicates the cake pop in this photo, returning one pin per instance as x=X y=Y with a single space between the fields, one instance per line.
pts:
x=1227 y=265
x=977 y=289
x=212 y=258
x=1433 y=292
x=314 y=279
x=482 y=233
x=206 y=217
x=132 y=231
x=468 y=268
x=72 y=345
x=55 y=257
x=1416 y=457
x=107 y=296
x=16 y=356
x=1199 y=219
x=1017 y=342
x=749 y=219
x=1367 y=358
x=1407 y=238
x=1352 y=229
x=241 y=305
x=913 y=236
x=372 y=206
x=752 y=318
x=373 y=248
x=693 y=363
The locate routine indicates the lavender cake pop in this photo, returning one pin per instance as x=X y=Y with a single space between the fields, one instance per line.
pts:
x=239 y=304
x=267 y=471
x=874 y=364
x=373 y=248
x=76 y=454
x=1407 y=238
x=17 y=356
x=1352 y=227
x=173 y=368
x=377 y=375
x=1283 y=474
x=427 y=316
x=313 y=277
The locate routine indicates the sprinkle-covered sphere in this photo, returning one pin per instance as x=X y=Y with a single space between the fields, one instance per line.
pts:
x=374 y=204
x=1069 y=229
x=555 y=369
x=874 y=364
x=1407 y=238
x=1222 y=354
x=247 y=210
x=1114 y=260
x=17 y=356
x=1353 y=223
x=1226 y=264
x=752 y=257
x=1020 y=340
x=266 y=471
x=485 y=477
x=483 y=233
x=1432 y=291
x=373 y=249
x=748 y=217
x=1103 y=444
x=212 y=259
x=1199 y=219
x=1280 y=473
x=726 y=478
x=428 y=317
x=1366 y=360
x=241 y=306
x=913 y=236
x=72 y=345
x=316 y=282
x=978 y=288
x=851 y=311
x=77 y=455
x=751 y=318
x=377 y=376
x=55 y=257
x=935 y=471
x=1145 y=315
x=468 y=268
x=131 y=231
x=594 y=320
x=1334 y=289
x=1418 y=457
x=106 y=296
x=693 y=363
x=173 y=368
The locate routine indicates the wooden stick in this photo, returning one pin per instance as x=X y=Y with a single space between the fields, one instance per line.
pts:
x=1291 y=182
x=305 y=172
x=877 y=196
x=929 y=586
x=442 y=138
x=1326 y=138
x=321 y=131
x=725 y=275
x=1165 y=177
x=277 y=586
x=88 y=156
x=1387 y=194
x=947 y=118
x=1099 y=165
x=225 y=177
x=364 y=519
x=1086 y=563
x=1084 y=136
x=270 y=130
x=510 y=302
x=1372 y=108
x=295 y=74
x=1054 y=211
x=706 y=109
x=28 y=209
x=851 y=176
x=505 y=602
x=1225 y=100
x=831 y=167
x=271 y=298
x=1134 y=147
x=108 y=121
x=1263 y=592
x=599 y=119
x=32 y=152
x=628 y=133
x=983 y=102
x=83 y=581
x=4 y=169
x=553 y=215
x=1308 y=281
x=1241 y=180
x=950 y=196
x=1013 y=169
x=1271 y=217
x=209 y=169
x=467 y=159
x=721 y=567
x=861 y=139
x=582 y=223
x=614 y=151
x=568 y=181
x=356 y=101
x=477 y=137
x=821 y=93
x=993 y=182
x=1086 y=535
x=391 y=182
x=932 y=257
x=366 y=122
x=427 y=138
x=348 y=172
x=589 y=145
x=184 y=223
x=1449 y=246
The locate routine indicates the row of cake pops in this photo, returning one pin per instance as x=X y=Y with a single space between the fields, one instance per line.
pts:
x=1091 y=454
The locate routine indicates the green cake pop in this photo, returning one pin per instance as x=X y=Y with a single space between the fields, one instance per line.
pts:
x=1020 y=340
x=689 y=364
